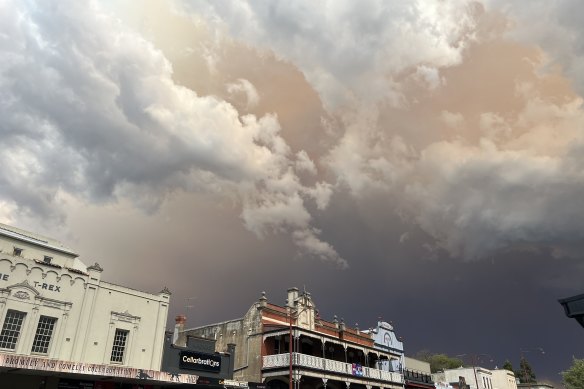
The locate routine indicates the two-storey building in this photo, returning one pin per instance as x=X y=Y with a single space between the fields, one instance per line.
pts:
x=292 y=345
x=478 y=377
x=58 y=317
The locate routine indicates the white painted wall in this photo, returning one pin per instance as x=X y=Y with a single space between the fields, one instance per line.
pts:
x=504 y=379
x=88 y=310
x=483 y=377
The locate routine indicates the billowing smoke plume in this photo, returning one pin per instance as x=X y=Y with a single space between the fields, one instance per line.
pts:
x=452 y=109
x=90 y=109
x=457 y=112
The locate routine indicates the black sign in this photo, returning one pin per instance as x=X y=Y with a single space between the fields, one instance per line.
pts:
x=199 y=361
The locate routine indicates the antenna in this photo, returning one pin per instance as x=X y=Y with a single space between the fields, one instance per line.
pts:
x=188 y=304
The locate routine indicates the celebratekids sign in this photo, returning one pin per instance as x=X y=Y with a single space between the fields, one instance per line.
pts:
x=55 y=365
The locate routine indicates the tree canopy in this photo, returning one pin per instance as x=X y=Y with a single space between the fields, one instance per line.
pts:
x=439 y=362
x=508 y=366
x=574 y=376
x=525 y=372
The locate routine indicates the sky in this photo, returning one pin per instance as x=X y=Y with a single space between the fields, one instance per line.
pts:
x=417 y=161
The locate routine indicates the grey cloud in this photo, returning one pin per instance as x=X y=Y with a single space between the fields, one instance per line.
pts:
x=558 y=31
x=350 y=51
x=110 y=122
x=503 y=179
x=90 y=109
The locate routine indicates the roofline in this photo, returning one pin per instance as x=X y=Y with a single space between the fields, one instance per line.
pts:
x=213 y=325
x=571 y=298
x=35 y=241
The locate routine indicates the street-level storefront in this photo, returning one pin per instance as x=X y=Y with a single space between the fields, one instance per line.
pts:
x=185 y=356
x=37 y=372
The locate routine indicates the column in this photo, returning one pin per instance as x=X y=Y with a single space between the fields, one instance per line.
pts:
x=84 y=322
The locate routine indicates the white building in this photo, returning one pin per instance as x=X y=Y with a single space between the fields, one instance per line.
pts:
x=473 y=376
x=504 y=379
x=485 y=378
x=53 y=306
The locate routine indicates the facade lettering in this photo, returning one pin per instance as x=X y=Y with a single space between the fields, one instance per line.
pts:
x=50 y=306
x=199 y=361
x=41 y=364
x=44 y=285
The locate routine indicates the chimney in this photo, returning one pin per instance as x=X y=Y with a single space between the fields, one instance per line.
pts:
x=178 y=338
x=263 y=300
x=292 y=297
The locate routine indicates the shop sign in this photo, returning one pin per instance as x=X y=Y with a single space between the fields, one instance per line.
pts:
x=199 y=361
x=232 y=383
x=54 y=365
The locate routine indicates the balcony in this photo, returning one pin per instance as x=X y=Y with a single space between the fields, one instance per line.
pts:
x=328 y=366
x=417 y=376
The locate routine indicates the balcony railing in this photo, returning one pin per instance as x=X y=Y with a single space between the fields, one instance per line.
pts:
x=329 y=366
x=417 y=376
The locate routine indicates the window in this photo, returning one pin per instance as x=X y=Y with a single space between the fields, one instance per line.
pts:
x=11 y=329
x=42 y=338
x=17 y=252
x=119 y=346
x=47 y=259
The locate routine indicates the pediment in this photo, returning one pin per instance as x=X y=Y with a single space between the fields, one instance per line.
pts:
x=26 y=292
x=22 y=290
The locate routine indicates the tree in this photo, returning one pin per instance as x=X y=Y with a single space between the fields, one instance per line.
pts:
x=439 y=362
x=574 y=376
x=508 y=366
x=525 y=373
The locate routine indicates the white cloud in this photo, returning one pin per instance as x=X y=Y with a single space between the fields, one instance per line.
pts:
x=476 y=199
x=304 y=163
x=474 y=178
x=252 y=97
x=452 y=119
x=555 y=26
x=90 y=108
x=349 y=50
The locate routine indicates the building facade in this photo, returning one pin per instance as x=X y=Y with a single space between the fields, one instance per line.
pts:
x=417 y=374
x=477 y=377
x=504 y=379
x=291 y=344
x=55 y=308
x=192 y=355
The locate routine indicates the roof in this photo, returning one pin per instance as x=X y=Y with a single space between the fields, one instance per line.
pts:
x=36 y=239
x=574 y=307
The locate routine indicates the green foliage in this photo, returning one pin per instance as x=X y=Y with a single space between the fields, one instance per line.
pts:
x=525 y=373
x=508 y=366
x=574 y=376
x=439 y=362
